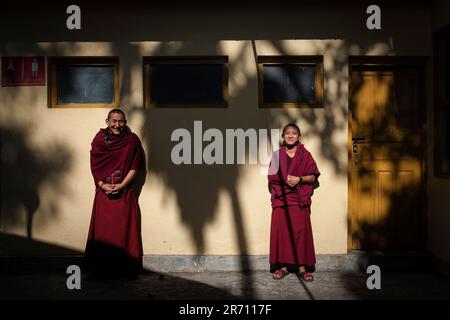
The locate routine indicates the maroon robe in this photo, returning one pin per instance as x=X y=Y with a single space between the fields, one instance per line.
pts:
x=291 y=238
x=114 y=240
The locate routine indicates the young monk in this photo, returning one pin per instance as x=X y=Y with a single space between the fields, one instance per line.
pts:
x=291 y=175
x=114 y=247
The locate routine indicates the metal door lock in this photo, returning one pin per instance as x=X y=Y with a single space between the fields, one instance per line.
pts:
x=355 y=141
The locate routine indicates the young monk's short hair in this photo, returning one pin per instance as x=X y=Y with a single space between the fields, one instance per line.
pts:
x=293 y=125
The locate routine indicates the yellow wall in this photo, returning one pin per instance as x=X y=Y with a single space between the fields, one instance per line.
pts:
x=233 y=215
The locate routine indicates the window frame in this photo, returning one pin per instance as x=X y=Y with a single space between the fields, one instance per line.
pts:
x=439 y=103
x=147 y=61
x=316 y=61
x=54 y=62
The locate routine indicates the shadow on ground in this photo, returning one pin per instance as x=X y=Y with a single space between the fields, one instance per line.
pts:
x=43 y=276
x=396 y=285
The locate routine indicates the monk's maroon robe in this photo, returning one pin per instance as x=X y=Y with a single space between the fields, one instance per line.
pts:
x=291 y=238
x=114 y=241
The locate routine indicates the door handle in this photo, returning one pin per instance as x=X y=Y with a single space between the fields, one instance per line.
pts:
x=355 y=141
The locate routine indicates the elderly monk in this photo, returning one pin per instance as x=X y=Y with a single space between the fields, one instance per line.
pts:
x=114 y=244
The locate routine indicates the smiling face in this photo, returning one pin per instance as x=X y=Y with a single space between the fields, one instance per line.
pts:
x=116 y=122
x=291 y=136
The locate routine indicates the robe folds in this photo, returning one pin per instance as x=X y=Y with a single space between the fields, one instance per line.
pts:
x=291 y=237
x=114 y=241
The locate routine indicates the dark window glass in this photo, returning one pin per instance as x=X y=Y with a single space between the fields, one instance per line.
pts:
x=446 y=62
x=444 y=126
x=186 y=84
x=85 y=84
x=289 y=83
x=442 y=101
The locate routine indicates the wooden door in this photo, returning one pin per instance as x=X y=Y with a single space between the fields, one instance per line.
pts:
x=386 y=194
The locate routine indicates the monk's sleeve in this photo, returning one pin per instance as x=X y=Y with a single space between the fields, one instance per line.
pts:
x=138 y=162
x=311 y=167
x=273 y=175
x=97 y=159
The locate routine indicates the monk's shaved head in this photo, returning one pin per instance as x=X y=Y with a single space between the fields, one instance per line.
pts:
x=116 y=111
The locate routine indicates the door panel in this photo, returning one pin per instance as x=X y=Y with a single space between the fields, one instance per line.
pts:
x=385 y=185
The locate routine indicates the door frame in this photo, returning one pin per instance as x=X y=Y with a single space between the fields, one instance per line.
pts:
x=419 y=62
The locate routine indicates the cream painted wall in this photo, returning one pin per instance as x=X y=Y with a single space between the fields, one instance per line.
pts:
x=233 y=217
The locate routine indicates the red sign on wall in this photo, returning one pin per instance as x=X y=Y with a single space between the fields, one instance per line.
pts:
x=23 y=71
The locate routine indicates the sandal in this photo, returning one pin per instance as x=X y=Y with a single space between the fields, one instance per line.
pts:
x=280 y=274
x=306 y=276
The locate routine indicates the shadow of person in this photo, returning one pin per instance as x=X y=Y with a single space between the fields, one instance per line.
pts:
x=105 y=261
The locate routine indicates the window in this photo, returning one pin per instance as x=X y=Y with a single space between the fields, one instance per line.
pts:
x=83 y=82
x=186 y=82
x=290 y=81
x=441 y=48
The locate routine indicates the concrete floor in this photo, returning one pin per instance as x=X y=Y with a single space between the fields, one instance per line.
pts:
x=228 y=286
